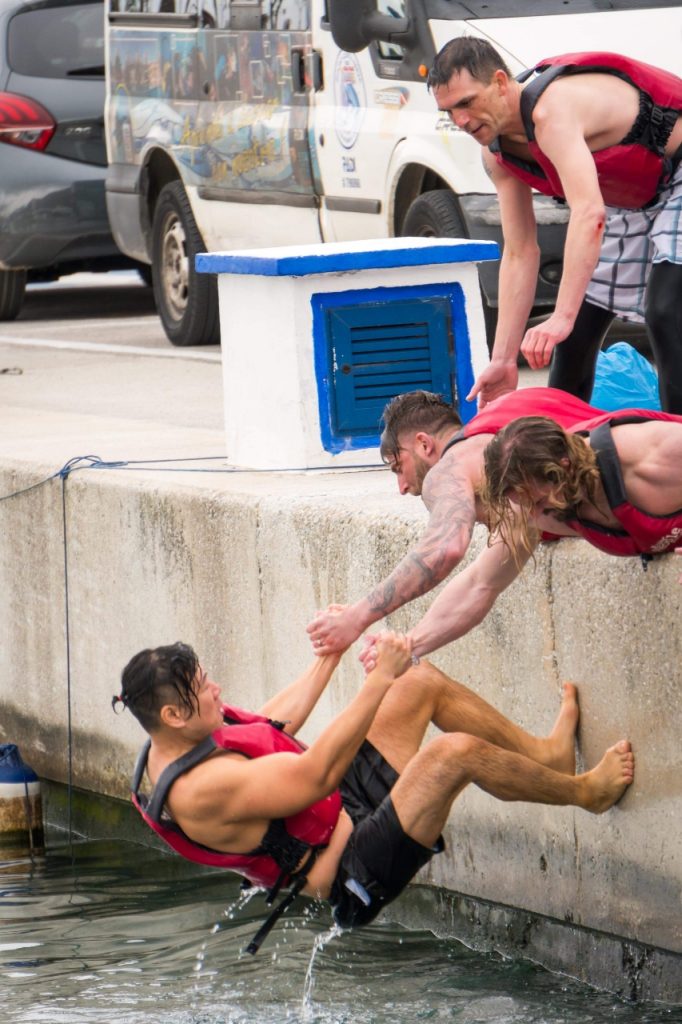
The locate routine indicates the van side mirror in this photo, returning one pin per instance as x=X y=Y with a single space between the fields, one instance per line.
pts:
x=357 y=23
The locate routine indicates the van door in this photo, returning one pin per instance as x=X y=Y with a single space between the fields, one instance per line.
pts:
x=358 y=118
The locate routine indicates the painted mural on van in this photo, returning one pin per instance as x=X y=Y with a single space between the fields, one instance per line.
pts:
x=223 y=101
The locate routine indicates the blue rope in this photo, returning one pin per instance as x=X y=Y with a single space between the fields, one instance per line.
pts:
x=135 y=465
x=79 y=462
x=69 y=728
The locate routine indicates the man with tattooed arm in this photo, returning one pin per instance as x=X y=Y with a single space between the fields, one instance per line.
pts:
x=432 y=455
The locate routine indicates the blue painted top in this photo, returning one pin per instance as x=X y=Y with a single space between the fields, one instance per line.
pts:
x=332 y=257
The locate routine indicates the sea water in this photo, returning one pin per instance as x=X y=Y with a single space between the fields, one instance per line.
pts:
x=112 y=932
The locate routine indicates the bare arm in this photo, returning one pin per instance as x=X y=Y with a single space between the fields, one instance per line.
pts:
x=561 y=136
x=467 y=599
x=231 y=790
x=517 y=282
x=294 y=703
x=448 y=493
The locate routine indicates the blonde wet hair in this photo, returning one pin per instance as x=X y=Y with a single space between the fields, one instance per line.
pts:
x=528 y=452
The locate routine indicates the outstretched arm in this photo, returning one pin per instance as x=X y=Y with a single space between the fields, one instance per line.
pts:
x=448 y=493
x=277 y=785
x=295 y=702
x=517 y=283
x=561 y=136
x=467 y=599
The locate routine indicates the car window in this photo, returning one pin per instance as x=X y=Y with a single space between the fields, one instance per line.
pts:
x=57 y=42
x=396 y=9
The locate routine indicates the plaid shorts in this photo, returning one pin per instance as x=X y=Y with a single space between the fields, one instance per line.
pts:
x=633 y=240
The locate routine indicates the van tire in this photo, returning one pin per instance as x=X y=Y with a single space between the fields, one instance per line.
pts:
x=437 y=215
x=12 y=289
x=186 y=302
x=434 y=215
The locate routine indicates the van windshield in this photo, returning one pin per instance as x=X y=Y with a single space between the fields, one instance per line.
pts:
x=451 y=10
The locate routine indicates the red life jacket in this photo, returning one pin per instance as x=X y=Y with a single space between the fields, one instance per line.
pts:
x=631 y=172
x=287 y=840
x=642 y=533
x=564 y=409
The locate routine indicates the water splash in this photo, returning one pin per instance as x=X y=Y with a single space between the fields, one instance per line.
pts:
x=234 y=908
x=229 y=913
x=318 y=945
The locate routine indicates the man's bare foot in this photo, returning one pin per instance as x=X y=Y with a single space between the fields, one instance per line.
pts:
x=559 y=746
x=606 y=783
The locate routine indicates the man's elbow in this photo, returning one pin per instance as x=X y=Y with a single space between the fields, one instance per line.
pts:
x=524 y=253
x=591 y=216
x=482 y=596
x=451 y=556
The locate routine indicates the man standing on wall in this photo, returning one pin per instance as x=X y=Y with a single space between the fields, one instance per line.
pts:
x=604 y=133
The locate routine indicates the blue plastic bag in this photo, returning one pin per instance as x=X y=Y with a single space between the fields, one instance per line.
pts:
x=624 y=379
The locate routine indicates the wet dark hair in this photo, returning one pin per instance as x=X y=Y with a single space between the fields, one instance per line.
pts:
x=476 y=56
x=156 y=677
x=415 y=410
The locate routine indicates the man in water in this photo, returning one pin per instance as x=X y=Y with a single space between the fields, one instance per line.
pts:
x=432 y=455
x=604 y=133
x=353 y=817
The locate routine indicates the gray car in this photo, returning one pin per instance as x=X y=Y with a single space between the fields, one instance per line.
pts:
x=53 y=218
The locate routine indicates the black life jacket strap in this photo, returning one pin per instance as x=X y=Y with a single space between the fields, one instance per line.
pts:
x=174 y=771
x=459 y=436
x=299 y=880
x=534 y=90
x=140 y=768
x=601 y=442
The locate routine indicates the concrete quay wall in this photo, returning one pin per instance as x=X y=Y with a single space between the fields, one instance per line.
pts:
x=105 y=562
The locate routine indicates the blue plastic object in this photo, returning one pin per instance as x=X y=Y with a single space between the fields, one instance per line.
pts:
x=624 y=379
x=12 y=767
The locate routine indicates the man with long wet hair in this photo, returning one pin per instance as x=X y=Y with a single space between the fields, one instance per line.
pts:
x=431 y=454
x=354 y=816
x=618 y=486
x=615 y=482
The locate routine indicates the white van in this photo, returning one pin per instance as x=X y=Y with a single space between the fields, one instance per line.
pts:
x=241 y=123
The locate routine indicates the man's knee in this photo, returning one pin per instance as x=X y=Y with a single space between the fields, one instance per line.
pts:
x=457 y=751
x=420 y=685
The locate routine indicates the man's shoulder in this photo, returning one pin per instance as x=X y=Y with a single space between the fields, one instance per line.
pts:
x=458 y=470
x=222 y=765
x=465 y=453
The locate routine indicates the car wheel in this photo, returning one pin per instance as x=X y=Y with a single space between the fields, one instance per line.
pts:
x=437 y=215
x=12 y=288
x=187 y=302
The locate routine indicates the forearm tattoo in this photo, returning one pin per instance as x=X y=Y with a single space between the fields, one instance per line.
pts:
x=453 y=515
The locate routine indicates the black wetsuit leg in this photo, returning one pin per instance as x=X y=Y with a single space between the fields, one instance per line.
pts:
x=663 y=312
x=575 y=360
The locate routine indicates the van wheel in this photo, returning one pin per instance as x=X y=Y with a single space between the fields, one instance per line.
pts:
x=187 y=302
x=436 y=215
x=12 y=289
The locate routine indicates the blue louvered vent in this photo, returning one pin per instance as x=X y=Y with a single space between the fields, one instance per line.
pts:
x=379 y=350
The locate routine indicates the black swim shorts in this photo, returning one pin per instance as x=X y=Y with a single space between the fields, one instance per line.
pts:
x=379 y=859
